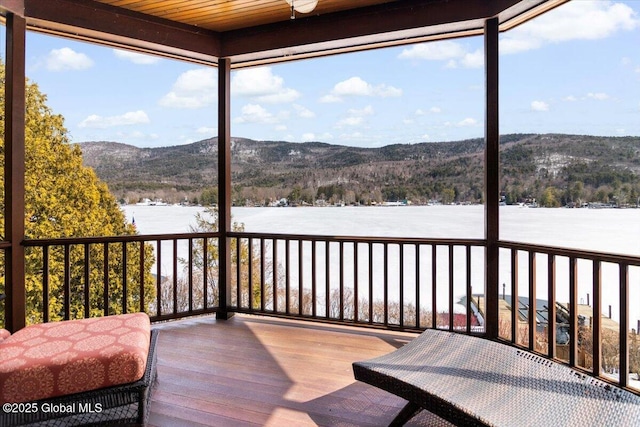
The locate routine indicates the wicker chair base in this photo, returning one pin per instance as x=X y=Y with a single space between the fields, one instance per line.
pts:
x=120 y=405
x=470 y=381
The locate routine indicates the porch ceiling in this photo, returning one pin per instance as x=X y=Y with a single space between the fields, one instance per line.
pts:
x=252 y=32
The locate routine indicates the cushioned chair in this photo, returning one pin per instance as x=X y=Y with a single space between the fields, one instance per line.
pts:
x=78 y=372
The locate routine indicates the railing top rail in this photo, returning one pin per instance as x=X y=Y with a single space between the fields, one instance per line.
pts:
x=116 y=239
x=360 y=239
x=569 y=252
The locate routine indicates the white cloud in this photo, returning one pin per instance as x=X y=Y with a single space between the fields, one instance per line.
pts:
x=570 y=98
x=254 y=113
x=303 y=112
x=366 y=111
x=193 y=89
x=67 y=59
x=351 y=121
x=454 y=53
x=426 y=137
x=434 y=51
x=435 y=110
x=600 y=96
x=135 y=57
x=330 y=99
x=637 y=70
x=408 y=121
x=539 y=106
x=263 y=86
x=355 y=86
x=467 y=122
x=308 y=137
x=281 y=128
x=206 y=130
x=576 y=20
x=130 y=118
x=356 y=117
x=474 y=59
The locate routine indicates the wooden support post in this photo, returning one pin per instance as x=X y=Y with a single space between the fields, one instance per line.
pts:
x=224 y=187
x=492 y=176
x=14 y=171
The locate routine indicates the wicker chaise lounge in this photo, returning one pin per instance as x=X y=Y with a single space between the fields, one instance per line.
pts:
x=472 y=381
x=88 y=372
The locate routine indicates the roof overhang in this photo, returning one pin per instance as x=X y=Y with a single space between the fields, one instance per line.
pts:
x=360 y=28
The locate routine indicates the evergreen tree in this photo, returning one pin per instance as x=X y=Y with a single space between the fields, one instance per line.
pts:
x=65 y=199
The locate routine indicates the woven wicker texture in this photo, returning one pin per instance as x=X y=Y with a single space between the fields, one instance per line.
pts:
x=119 y=405
x=473 y=381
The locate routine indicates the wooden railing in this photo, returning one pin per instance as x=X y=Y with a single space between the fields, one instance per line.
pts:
x=572 y=286
x=395 y=283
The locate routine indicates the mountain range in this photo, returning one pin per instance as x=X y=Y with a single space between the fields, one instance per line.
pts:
x=268 y=170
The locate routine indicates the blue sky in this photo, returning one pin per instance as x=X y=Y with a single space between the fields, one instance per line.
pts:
x=574 y=70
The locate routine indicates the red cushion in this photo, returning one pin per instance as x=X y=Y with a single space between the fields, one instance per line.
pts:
x=60 y=358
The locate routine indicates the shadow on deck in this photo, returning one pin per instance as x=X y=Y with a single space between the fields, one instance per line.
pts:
x=252 y=370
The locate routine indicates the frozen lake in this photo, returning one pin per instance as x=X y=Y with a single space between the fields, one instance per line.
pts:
x=606 y=230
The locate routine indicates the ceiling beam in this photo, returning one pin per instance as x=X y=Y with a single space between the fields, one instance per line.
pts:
x=401 y=20
x=97 y=22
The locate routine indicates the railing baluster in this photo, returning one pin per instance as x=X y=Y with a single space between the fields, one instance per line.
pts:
x=262 y=275
x=238 y=273
x=469 y=291
x=515 y=296
x=124 y=277
x=596 y=326
x=451 y=289
x=327 y=278
x=355 y=283
x=624 y=325
x=175 y=276
x=573 y=311
x=370 y=282
x=45 y=283
x=142 y=277
x=287 y=278
x=434 y=287
x=250 y=274
x=190 y=273
x=300 y=277
x=533 y=313
x=87 y=284
x=67 y=284
x=105 y=278
x=313 y=278
x=341 y=280
x=275 y=275
x=385 y=282
x=205 y=273
x=159 y=278
x=418 y=284
x=401 y=285
x=551 y=309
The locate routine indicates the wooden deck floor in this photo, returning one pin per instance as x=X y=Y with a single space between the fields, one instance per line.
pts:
x=258 y=371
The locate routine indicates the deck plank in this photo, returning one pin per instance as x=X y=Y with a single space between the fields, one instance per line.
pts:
x=259 y=371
